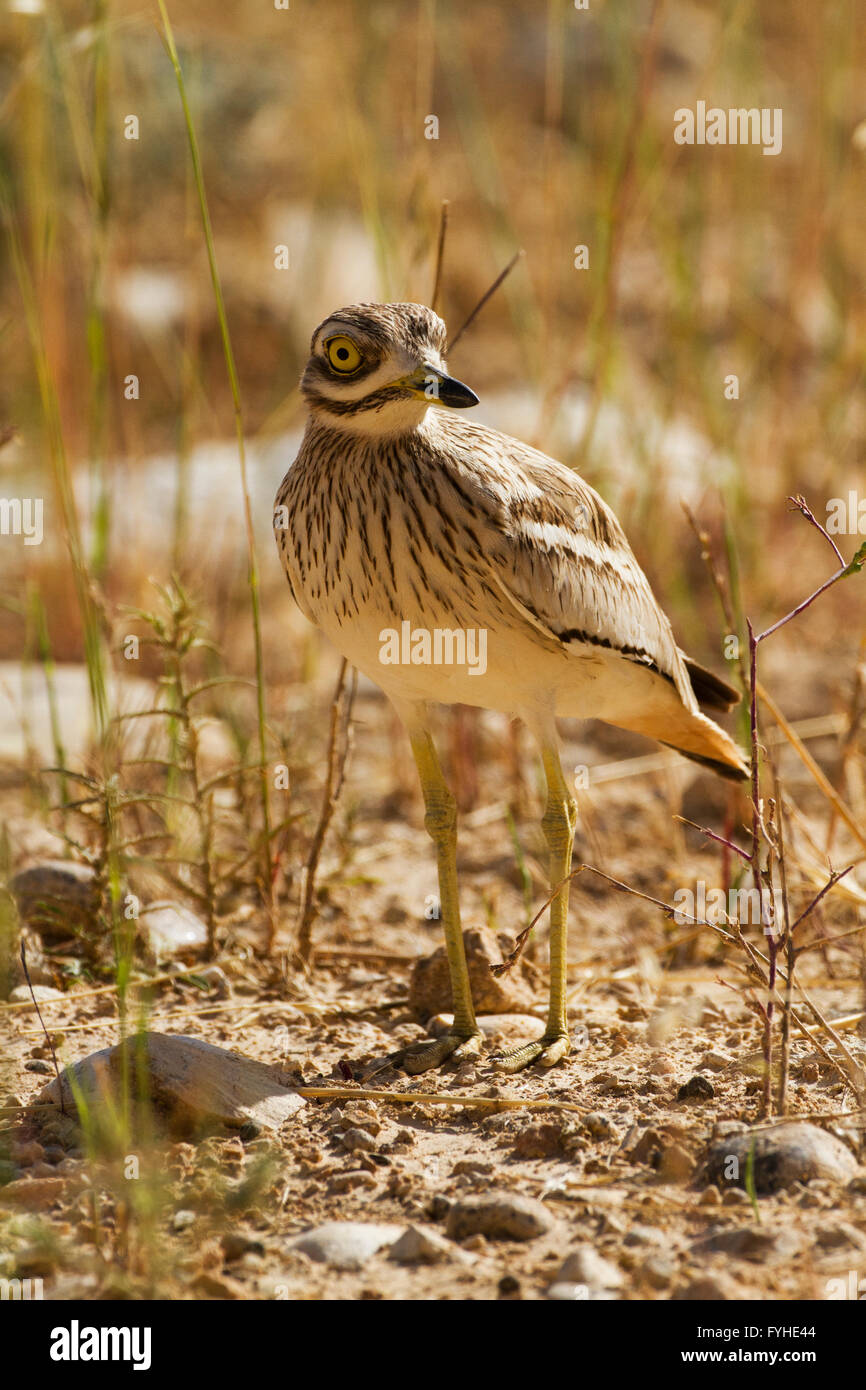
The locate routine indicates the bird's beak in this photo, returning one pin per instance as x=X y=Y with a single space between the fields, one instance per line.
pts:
x=431 y=384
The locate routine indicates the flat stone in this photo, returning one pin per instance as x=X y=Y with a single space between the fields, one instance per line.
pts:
x=346 y=1244
x=34 y=1194
x=43 y=993
x=515 y=992
x=783 y=1155
x=499 y=1216
x=168 y=929
x=191 y=1082
x=585 y=1266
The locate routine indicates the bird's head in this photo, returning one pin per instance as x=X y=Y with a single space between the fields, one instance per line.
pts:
x=378 y=368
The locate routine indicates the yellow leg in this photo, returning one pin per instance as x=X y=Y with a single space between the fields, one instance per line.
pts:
x=558 y=823
x=465 y=1039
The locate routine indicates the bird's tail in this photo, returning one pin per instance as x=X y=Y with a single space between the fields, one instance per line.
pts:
x=696 y=737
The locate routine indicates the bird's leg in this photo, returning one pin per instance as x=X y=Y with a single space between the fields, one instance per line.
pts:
x=558 y=823
x=464 y=1039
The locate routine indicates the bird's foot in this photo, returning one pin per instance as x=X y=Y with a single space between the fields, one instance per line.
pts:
x=547 y=1051
x=425 y=1056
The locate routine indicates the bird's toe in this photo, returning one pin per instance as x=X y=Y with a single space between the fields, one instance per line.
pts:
x=547 y=1051
x=426 y=1056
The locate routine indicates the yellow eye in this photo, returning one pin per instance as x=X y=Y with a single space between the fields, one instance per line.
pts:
x=343 y=355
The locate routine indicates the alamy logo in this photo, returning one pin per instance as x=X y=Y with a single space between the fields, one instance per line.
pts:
x=20 y=1290
x=76 y=1343
x=738 y=126
x=438 y=646
x=846 y=516
x=715 y=906
x=22 y=516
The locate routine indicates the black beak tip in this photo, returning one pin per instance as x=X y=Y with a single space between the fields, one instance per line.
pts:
x=455 y=394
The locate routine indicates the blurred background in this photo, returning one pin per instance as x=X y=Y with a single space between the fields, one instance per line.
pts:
x=554 y=131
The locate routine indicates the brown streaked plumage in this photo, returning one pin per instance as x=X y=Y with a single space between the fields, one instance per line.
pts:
x=397 y=511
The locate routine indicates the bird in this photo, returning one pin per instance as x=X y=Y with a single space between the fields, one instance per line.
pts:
x=409 y=532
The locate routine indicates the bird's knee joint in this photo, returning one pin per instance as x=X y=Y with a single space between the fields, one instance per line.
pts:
x=441 y=817
x=559 y=820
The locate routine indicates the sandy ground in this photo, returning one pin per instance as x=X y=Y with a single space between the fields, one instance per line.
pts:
x=616 y=1173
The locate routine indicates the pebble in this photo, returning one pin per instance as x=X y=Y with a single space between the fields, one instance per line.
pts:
x=358 y=1141
x=538 y=1139
x=585 y=1266
x=236 y=1246
x=696 y=1088
x=659 y=1271
x=500 y=1216
x=563 y=1292
x=662 y=1066
x=736 y=1197
x=169 y=929
x=182 y=1220
x=711 y=1288
x=346 y=1244
x=598 y=1125
x=417 y=1246
x=783 y=1155
x=644 y=1235
x=715 y=1061
x=347 y=1182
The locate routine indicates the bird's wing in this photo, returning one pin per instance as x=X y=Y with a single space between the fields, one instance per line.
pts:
x=559 y=553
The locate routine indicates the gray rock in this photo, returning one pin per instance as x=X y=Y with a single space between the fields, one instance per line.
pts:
x=358 y=1141
x=500 y=1216
x=191 y=1082
x=346 y=1244
x=563 y=1292
x=783 y=1155
x=57 y=898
